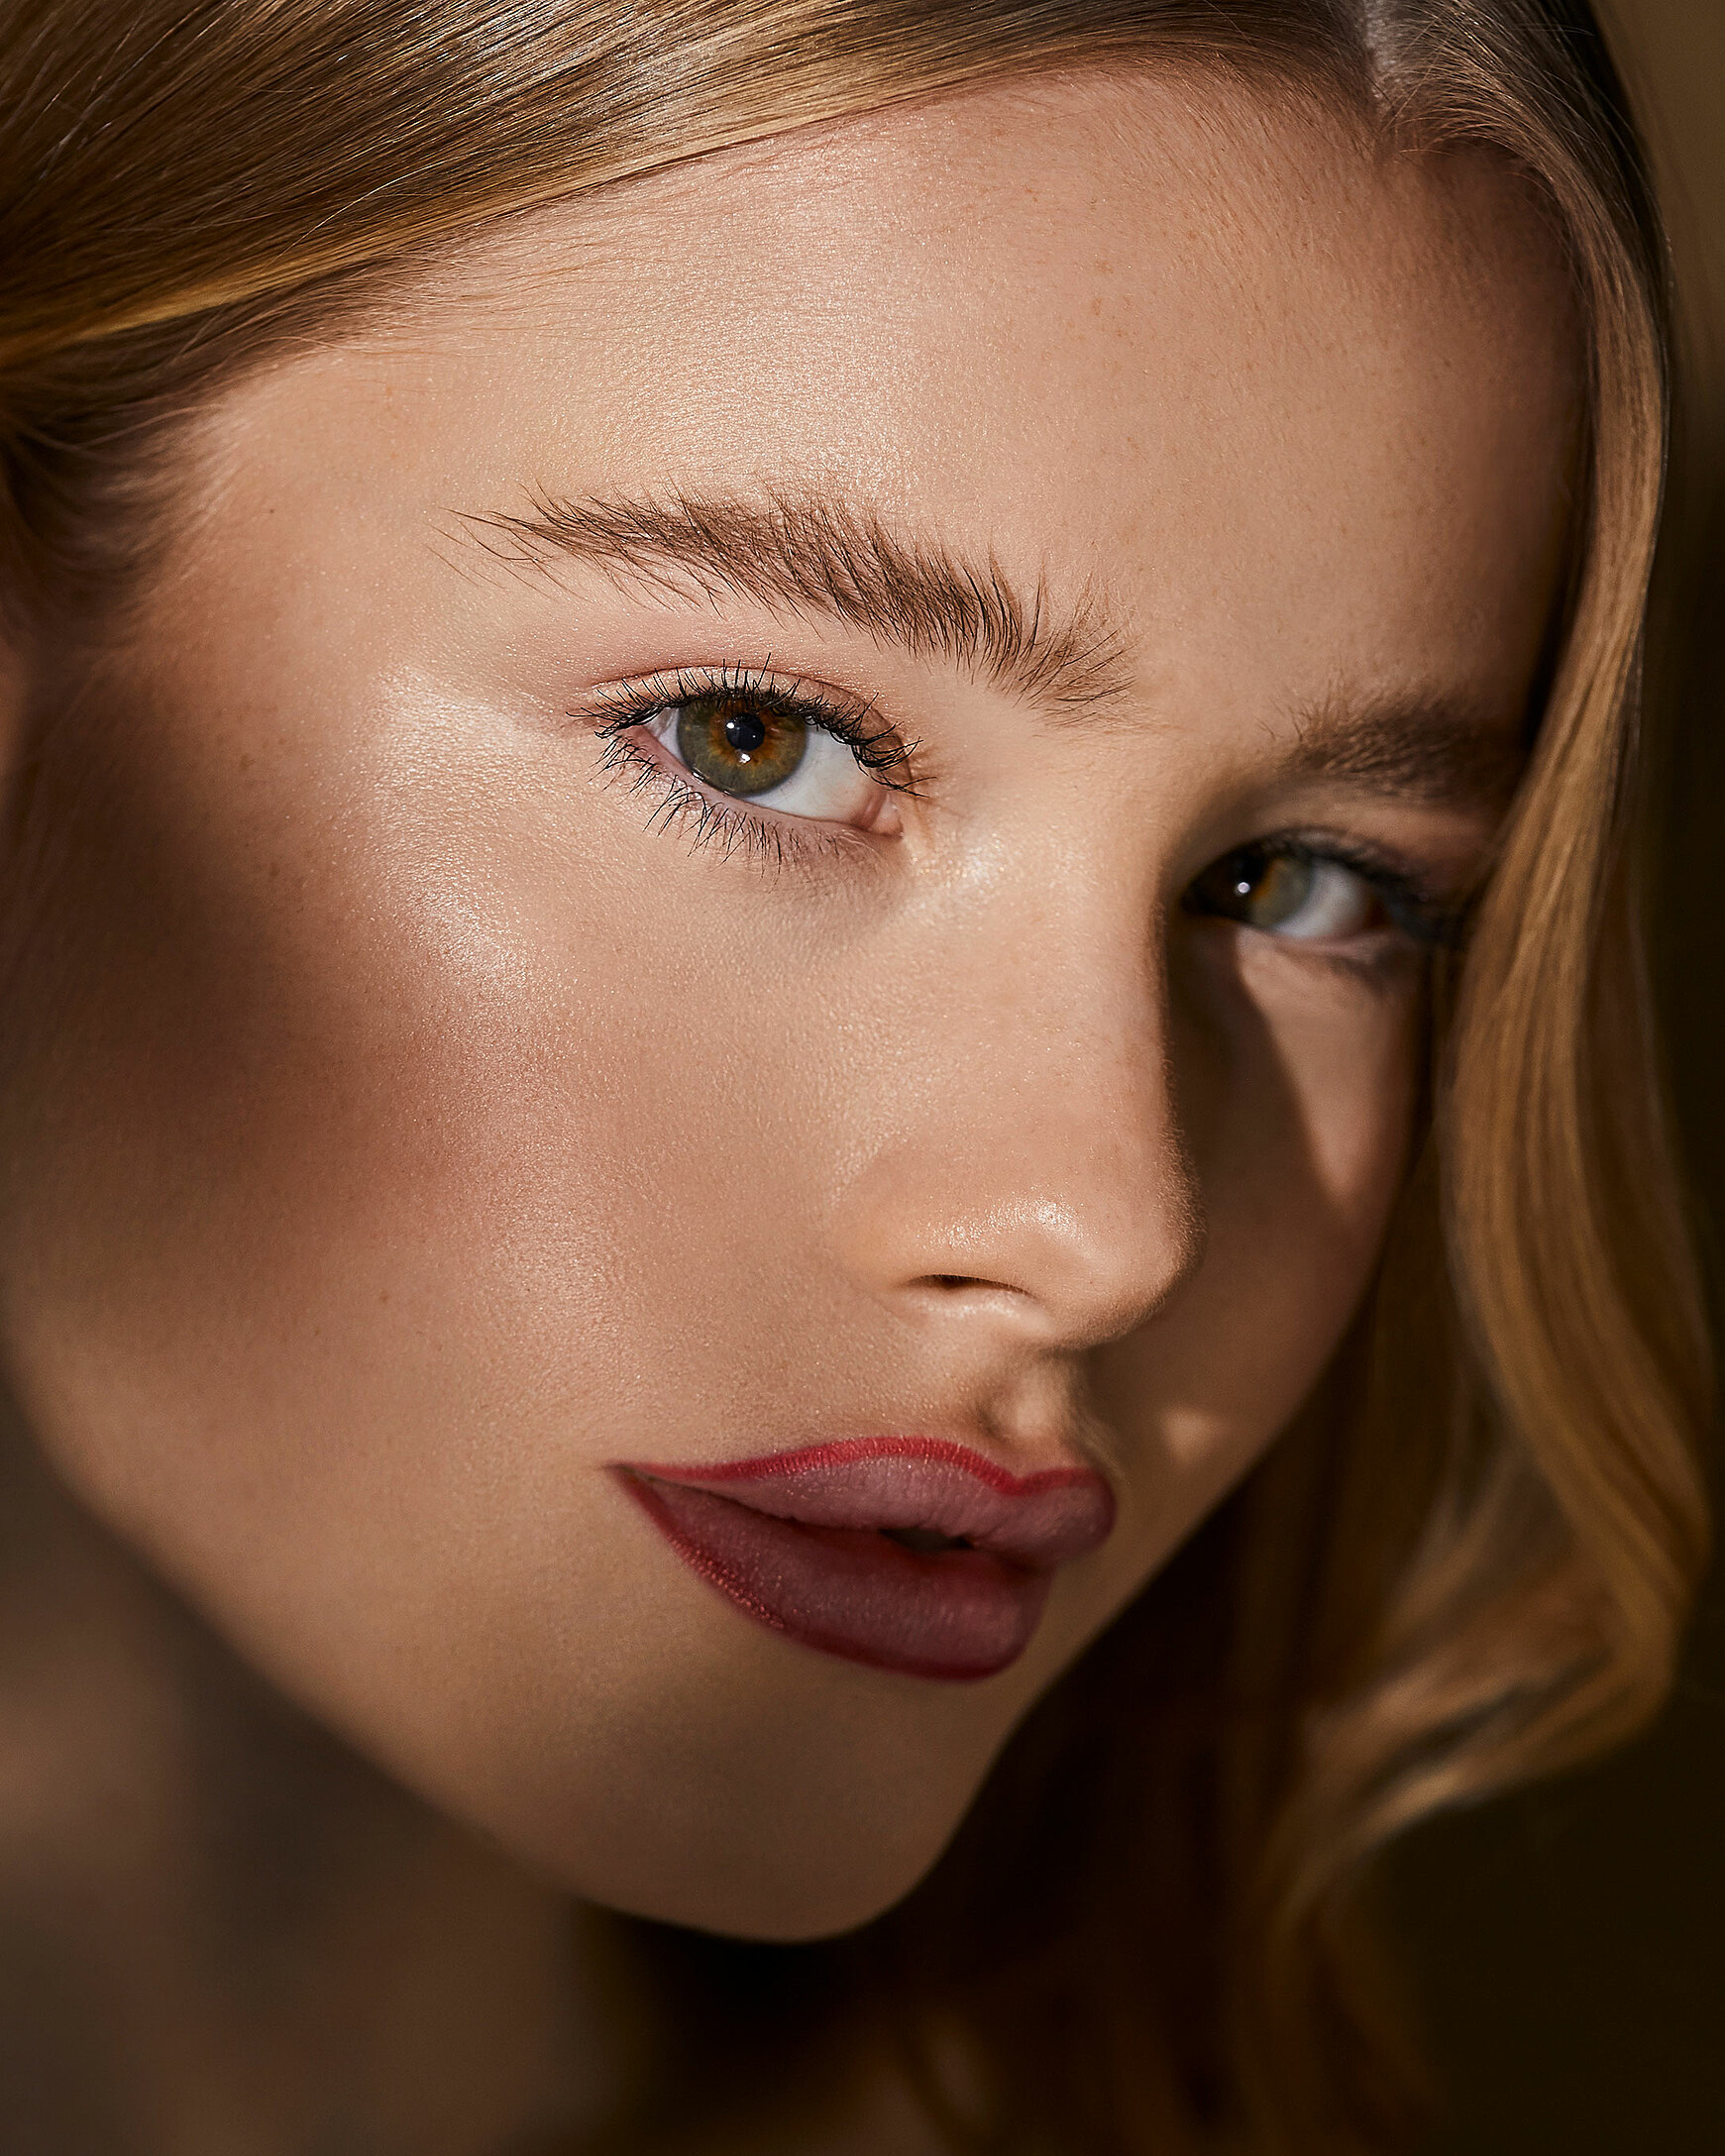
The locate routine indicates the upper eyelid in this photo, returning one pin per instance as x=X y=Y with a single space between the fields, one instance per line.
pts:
x=1386 y=867
x=674 y=685
x=880 y=748
x=630 y=701
x=1426 y=915
x=1413 y=907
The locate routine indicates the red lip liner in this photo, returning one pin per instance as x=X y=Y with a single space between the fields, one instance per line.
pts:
x=913 y=1555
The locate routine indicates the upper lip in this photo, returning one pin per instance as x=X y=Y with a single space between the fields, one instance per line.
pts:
x=927 y=1485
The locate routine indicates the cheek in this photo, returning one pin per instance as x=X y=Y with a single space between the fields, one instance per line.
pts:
x=385 y=1154
x=332 y=1118
x=366 y=1192
x=1305 y=1155
x=1299 y=1091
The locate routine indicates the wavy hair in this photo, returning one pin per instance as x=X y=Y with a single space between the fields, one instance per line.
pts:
x=1471 y=1559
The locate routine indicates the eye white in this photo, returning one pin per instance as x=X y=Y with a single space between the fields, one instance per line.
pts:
x=828 y=782
x=1338 y=903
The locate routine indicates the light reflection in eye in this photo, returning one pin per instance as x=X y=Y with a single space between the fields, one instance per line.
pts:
x=1305 y=898
x=759 y=750
x=736 y=745
x=790 y=750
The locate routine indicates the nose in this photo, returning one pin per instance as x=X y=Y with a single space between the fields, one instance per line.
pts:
x=1039 y=1172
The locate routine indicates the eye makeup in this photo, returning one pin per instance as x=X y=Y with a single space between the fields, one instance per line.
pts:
x=720 y=745
x=781 y=768
x=1272 y=883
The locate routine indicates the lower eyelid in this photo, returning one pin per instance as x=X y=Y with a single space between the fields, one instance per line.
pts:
x=824 y=742
x=774 y=836
x=1406 y=928
x=678 y=797
x=1427 y=917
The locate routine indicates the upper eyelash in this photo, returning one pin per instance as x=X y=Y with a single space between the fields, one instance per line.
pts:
x=1416 y=908
x=777 y=841
x=1413 y=905
x=878 y=747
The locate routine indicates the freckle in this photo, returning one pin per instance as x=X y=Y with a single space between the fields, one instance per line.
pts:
x=275 y=870
x=245 y=762
x=1096 y=304
x=383 y=1295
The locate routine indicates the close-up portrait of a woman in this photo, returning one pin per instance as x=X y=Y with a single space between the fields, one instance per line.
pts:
x=844 y=1210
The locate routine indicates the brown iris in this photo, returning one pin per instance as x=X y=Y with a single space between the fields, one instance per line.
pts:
x=738 y=745
x=1263 y=890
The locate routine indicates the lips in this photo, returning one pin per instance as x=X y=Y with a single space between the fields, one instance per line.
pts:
x=913 y=1555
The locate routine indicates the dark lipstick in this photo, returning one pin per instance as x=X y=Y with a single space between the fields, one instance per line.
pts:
x=915 y=1555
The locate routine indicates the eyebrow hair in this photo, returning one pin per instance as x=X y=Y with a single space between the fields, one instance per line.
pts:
x=1431 y=749
x=811 y=555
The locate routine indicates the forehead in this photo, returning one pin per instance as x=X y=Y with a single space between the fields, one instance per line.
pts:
x=1208 y=348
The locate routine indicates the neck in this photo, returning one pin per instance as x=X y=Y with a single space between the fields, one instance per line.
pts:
x=221 y=1929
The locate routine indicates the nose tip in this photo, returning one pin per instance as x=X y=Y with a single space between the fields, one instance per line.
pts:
x=1065 y=1267
x=1029 y=1154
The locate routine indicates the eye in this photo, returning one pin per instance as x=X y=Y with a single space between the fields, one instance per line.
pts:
x=1305 y=898
x=758 y=749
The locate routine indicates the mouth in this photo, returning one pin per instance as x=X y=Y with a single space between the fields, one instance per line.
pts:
x=913 y=1555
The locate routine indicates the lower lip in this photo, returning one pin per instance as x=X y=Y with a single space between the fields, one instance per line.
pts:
x=957 y=1615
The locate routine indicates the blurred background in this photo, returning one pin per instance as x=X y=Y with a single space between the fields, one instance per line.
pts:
x=1570 y=1944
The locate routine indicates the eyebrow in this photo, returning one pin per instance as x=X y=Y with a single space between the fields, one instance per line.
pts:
x=811 y=556
x=1431 y=749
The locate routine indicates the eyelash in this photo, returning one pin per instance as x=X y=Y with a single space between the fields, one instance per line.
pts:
x=1422 y=915
x=878 y=748
x=1427 y=917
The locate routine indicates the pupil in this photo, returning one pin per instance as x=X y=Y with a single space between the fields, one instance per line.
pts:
x=740 y=749
x=744 y=732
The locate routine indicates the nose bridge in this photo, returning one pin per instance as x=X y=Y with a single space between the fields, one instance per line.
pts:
x=1044 y=1154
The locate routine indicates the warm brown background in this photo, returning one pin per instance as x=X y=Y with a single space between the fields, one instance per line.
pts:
x=1572 y=1943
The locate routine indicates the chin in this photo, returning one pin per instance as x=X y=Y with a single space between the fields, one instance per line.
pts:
x=744 y=1902
x=776 y=1881
x=751 y=1856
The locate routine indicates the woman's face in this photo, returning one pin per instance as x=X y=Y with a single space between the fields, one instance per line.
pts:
x=793 y=811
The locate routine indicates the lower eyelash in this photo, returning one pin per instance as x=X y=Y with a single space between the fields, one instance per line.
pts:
x=1427 y=920
x=708 y=822
x=877 y=748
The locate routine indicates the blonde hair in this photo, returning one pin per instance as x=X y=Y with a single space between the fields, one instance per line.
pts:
x=1471 y=1559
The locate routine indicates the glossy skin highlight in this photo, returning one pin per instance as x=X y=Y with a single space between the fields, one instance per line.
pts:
x=405 y=1118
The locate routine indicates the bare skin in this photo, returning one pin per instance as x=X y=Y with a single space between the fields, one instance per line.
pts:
x=406 y=1114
